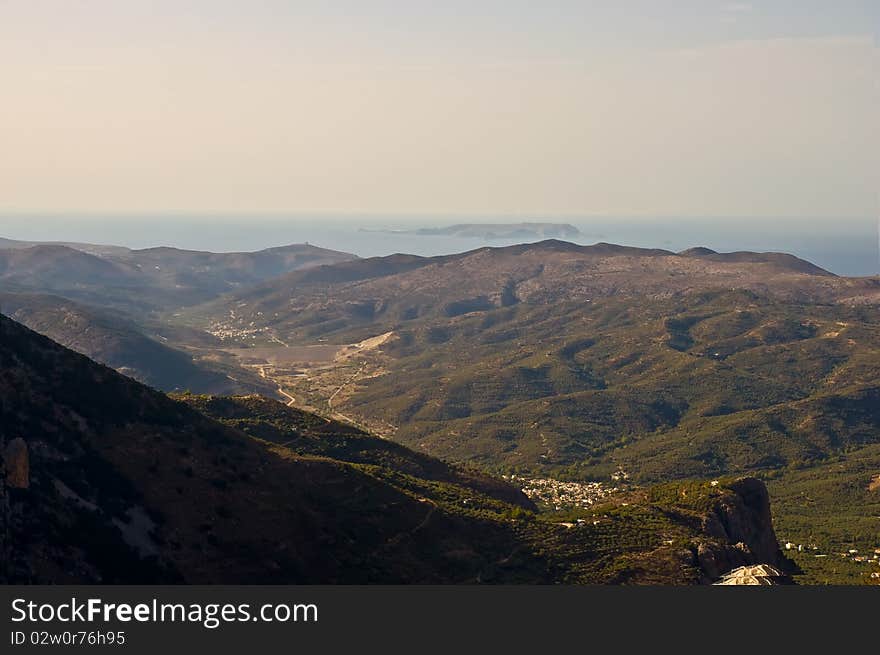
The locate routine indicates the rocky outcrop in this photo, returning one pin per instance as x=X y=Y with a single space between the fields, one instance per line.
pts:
x=16 y=464
x=741 y=530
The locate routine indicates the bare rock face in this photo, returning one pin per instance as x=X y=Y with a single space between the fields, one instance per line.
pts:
x=748 y=520
x=744 y=521
x=17 y=463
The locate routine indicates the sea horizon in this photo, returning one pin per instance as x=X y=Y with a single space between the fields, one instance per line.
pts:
x=843 y=246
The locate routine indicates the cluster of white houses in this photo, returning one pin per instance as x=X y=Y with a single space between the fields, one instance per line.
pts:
x=852 y=554
x=560 y=495
x=227 y=331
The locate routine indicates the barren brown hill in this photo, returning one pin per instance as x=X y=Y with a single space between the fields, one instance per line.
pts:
x=404 y=288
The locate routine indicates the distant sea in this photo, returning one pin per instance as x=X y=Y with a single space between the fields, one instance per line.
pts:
x=845 y=247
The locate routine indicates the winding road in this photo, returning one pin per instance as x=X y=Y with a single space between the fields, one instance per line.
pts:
x=290 y=399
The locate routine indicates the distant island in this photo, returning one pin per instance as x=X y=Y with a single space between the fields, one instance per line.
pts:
x=492 y=231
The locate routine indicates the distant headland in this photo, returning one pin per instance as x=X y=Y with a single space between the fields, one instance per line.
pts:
x=492 y=231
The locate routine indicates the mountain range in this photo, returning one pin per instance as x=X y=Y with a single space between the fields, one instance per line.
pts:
x=406 y=288
x=548 y=363
x=148 y=280
x=575 y=361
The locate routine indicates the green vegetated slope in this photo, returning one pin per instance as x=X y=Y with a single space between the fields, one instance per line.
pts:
x=595 y=379
x=576 y=361
x=726 y=383
x=128 y=485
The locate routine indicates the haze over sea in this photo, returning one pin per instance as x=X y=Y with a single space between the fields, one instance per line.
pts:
x=843 y=246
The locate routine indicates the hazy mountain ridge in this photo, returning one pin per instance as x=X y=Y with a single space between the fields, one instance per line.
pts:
x=90 y=248
x=148 y=280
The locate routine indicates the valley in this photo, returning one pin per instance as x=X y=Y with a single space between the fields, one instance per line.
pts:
x=753 y=364
x=125 y=485
x=585 y=375
x=439 y=294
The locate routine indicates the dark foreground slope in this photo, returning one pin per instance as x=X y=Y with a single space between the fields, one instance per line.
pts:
x=128 y=485
x=308 y=434
x=124 y=484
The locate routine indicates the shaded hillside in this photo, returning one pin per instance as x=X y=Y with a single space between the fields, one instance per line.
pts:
x=52 y=267
x=126 y=485
x=147 y=280
x=121 y=473
x=308 y=434
x=110 y=339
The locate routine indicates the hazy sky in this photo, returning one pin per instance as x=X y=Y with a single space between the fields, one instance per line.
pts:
x=690 y=107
